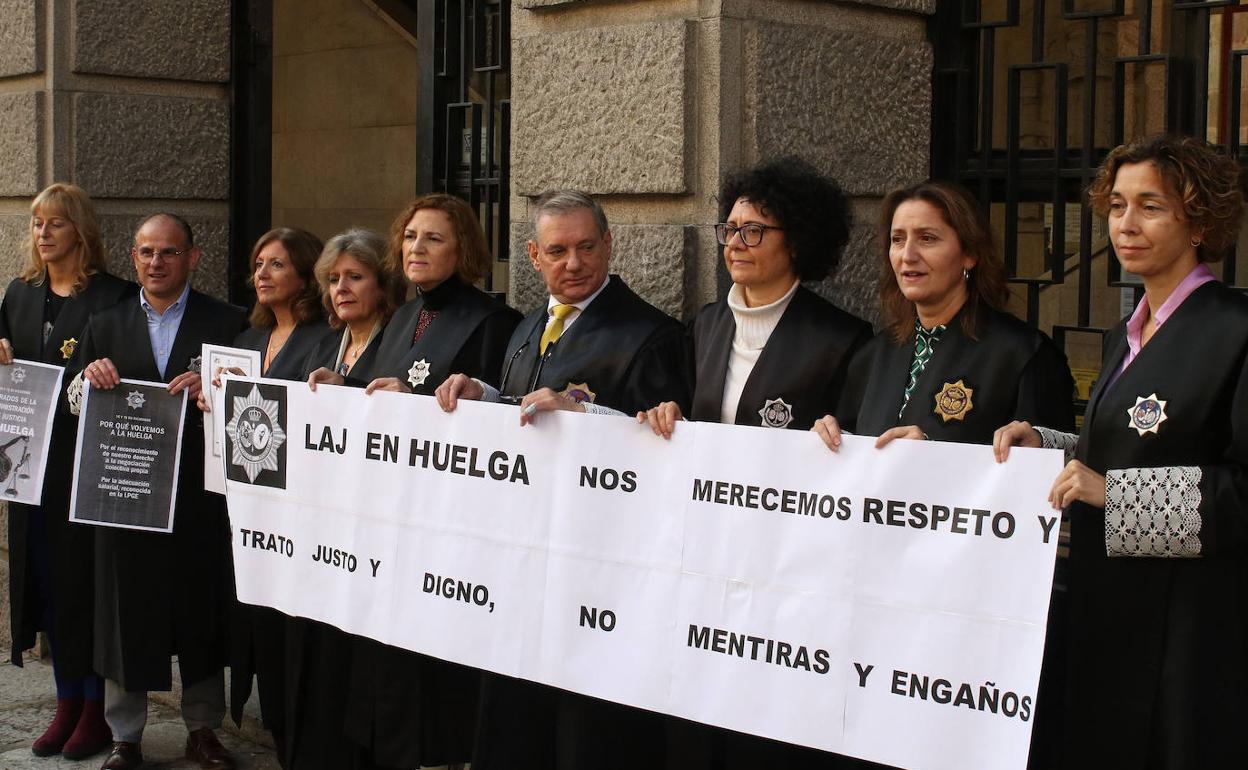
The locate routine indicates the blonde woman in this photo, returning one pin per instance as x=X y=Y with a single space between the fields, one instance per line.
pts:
x=51 y=563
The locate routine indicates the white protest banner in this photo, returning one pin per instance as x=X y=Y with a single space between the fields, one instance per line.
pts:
x=129 y=446
x=885 y=604
x=29 y=392
x=213 y=359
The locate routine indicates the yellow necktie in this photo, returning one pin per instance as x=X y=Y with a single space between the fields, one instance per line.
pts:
x=555 y=327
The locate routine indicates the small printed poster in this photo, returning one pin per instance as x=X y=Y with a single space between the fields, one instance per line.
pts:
x=230 y=362
x=129 y=446
x=28 y=396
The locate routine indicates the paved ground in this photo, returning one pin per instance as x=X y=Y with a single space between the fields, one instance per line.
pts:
x=28 y=701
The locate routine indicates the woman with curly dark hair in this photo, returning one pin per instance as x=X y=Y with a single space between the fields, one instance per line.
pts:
x=952 y=363
x=1157 y=492
x=772 y=353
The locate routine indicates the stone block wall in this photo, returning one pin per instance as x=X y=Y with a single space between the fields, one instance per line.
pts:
x=648 y=104
x=344 y=116
x=129 y=99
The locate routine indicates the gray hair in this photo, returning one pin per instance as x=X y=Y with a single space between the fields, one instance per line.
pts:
x=558 y=202
x=369 y=249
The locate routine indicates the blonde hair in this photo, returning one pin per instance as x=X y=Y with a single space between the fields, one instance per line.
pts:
x=72 y=203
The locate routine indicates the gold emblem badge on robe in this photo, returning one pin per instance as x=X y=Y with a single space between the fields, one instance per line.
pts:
x=953 y=402
x=579 y=392
x=67 y=348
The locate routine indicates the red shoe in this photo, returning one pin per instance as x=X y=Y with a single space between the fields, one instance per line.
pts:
x=63 y=724
x=91 y=736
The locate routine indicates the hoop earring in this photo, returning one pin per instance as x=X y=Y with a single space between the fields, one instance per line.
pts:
x=1195 y=242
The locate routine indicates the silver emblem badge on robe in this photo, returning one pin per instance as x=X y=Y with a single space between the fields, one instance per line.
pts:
x=776 y=413
x=579 y=392
x=419 y=372
x=1147 y=415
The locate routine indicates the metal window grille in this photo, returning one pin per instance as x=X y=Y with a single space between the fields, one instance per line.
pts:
x=1030 y=95
x=465 y=111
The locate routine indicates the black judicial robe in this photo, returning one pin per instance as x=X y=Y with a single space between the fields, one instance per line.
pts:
x=621 y=352
x=409 y=709
x=71 y=548
x=1159 y=638
x=629 y=356
x=257 y=633
x=158 y=595
x=803 y=364
x=468 y=335
x=1011 y=372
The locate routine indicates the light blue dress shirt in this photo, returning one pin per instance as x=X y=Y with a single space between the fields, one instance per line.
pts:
x=162 y=328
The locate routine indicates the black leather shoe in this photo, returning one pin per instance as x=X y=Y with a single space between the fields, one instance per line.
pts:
x=124 y=756
x=203 y=748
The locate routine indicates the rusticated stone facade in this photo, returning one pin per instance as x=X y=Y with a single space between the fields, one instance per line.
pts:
x=130 y=100
x=648 y=104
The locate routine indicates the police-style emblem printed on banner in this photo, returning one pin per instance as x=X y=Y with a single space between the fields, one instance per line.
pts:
x=256 y=435
x=18 y=375
x=776 y=413
x=135 y=399
x=67 y=347
x=1147 y=415
x=419 y=372
x=953 y=402
x=579 y=392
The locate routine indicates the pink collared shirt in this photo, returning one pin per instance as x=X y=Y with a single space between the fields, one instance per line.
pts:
x=1200 y=275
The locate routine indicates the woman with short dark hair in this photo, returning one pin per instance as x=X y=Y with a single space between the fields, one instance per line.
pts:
x=51 y=561
x=772 y=353
x=1157 y=492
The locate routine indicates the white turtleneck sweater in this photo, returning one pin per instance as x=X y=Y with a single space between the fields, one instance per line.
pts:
x=754 y=328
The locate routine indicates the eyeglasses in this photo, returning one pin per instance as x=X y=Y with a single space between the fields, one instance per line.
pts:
x=751 y=234
x=147 y=255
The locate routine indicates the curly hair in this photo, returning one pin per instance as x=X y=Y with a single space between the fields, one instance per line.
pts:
x=986 y=283
x=474 y=261
x=73 y=204
x=367 y=248
x=810 y=207
x=303 y=248
x=1209 y=184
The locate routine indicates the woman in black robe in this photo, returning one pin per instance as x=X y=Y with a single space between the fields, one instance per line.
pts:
x=407 y=709
x=287 y=323
x=1157 y=494
x=773 y=354
x=50 y=561
x=952 y=363
x=360 y=293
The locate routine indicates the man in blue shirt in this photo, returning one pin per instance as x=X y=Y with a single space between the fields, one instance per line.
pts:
x=158 y=595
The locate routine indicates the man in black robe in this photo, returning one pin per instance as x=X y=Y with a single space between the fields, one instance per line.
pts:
x=158 y=595
x=594 y=346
